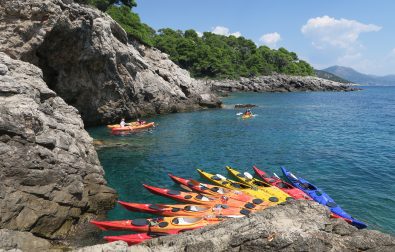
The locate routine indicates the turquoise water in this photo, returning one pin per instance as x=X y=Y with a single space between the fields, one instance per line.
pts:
x=341 y=142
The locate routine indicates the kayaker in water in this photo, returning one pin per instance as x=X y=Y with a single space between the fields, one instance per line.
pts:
x=247 y=112
x=122 y=122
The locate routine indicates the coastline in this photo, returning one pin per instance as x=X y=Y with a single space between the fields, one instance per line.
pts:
x=141 y=81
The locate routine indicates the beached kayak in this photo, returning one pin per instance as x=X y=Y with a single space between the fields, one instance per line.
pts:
x=282 y=185
x=272 y=190
x=197 y=198
x=133 y=128
x=233 y=185
x=186 y=210
x=214 y=190
x=321 y=197
x=160 y=224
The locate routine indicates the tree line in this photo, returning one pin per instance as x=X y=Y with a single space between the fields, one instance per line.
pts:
x=210 y=55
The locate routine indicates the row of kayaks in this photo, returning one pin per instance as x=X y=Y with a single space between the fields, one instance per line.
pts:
x=205 y=204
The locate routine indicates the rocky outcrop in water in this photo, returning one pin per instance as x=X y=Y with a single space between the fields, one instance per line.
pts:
x=87 y=60
x=51 y=178
x=279 y=83
x=296 y=226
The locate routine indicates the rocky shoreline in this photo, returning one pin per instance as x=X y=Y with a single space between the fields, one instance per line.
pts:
x=278 y=83
x=292 y=226
x=64 y=66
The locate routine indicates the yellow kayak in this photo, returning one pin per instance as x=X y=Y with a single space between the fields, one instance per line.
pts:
x=272 y=190
x=233 y=185
x=247 y=116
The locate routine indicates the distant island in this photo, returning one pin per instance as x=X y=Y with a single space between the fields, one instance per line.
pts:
x=354 y=76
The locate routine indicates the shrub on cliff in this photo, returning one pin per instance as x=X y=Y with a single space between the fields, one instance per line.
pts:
x=131 y=23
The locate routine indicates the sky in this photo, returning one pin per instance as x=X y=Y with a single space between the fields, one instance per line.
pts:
x=358 y=34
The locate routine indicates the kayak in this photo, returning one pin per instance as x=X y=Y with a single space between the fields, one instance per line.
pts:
x=197 y=198
x=286 y=187
x=233 y=185
x=213 y=190
x=160 y=224
x=321 y=197
x=186 y=210
x=272 y=190
x=118 y=125
x=247 y=116
x=132 y=128
x=132 y=239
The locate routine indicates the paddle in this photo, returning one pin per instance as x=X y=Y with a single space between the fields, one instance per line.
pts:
x=240 y=113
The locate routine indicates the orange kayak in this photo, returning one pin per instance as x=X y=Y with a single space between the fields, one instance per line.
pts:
x=160 y=224
x=201 y=199
x=132 y=128
x=118 y=125
x=186 y=210
x=214 y=190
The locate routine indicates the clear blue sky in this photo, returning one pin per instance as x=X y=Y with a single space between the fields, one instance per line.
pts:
x=359 y=34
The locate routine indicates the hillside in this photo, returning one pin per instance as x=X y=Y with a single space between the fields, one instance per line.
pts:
x=329 y=76
x=350 y=74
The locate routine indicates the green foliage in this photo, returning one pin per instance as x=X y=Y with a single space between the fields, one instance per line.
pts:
x=212 y=55
x=103 y=5
x=131 y=23
x=217 y=56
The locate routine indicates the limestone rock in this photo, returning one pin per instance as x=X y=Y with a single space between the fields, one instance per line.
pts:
x=294 y=226
x=86 y=58
x=47 y=158
x=16 y=241
x=279 y=83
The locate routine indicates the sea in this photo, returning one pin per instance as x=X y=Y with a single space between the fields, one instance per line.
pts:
x=342 y=142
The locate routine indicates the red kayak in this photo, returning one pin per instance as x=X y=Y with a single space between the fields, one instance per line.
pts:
x=201 y=199
x=186 y=210
x=132 y=239
x=284 y=186
x=160 y=224
x=213 y=190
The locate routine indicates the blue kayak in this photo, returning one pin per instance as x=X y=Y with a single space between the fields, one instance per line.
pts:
x=321 y=197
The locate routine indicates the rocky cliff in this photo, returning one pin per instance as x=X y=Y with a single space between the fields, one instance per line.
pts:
x=295 y=226
x=87 y=60
x=51 y=178
x=279 y=83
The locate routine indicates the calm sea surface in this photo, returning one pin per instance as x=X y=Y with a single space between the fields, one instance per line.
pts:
x=343 y=143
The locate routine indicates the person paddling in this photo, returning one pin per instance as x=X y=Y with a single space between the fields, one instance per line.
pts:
x=122 y=123
x=247 y=112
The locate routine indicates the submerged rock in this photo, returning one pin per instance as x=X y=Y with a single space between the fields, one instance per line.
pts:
x=87 y=60
x=279 y=83
x=51 y=178
x=294 y=226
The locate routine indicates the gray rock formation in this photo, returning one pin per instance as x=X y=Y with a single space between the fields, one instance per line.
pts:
x=51 y=178
x=87 y=60
x=279 y=83
x=295 y=226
